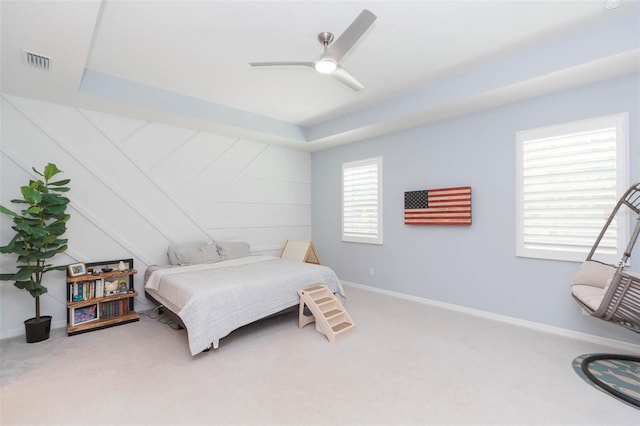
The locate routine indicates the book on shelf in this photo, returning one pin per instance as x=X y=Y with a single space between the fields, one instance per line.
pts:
x=86 y=290
x=114 y=309
x=99 y=287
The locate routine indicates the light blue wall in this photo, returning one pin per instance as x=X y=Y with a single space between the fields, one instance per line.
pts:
x=475 y=266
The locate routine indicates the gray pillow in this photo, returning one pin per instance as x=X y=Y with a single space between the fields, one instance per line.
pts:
x=193 y=253
x=233 y=249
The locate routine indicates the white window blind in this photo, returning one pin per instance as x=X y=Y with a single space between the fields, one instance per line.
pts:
x=569 y=179
x=362 y=201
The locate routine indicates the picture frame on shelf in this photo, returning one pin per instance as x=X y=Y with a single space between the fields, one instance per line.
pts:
x=84 y=314
x=77 y=269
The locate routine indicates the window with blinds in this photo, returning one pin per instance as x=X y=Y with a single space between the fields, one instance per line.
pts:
x=569 y=178
x=362 y=201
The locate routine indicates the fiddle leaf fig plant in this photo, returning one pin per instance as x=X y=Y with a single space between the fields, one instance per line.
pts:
x=39 y=228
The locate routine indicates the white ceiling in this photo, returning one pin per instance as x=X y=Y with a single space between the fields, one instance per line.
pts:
x=186 y=62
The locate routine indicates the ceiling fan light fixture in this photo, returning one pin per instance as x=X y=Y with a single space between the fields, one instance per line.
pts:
x=326 y=66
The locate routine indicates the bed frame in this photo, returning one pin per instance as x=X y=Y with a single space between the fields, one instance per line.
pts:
x=162 y=309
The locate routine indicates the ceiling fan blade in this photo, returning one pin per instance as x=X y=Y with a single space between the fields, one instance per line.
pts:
x=343 y=76
x=350 y=36
x=282 y=64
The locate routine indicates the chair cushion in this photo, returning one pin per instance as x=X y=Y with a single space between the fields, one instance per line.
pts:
x=589 y=295
x=594 y=274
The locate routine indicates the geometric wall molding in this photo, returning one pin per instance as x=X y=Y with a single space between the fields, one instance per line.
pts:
x=138 y=186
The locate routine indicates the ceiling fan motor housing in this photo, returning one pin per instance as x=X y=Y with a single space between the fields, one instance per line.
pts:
x=325 y=38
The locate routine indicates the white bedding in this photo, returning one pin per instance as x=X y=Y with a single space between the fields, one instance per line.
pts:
x=214 y=299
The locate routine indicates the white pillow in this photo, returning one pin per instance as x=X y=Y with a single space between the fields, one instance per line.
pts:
x=193 y=253
x=233 y=249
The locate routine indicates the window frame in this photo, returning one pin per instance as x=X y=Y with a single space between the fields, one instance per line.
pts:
x=363 y=163
x=621 y=123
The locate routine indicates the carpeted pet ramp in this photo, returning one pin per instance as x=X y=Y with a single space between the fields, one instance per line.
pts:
x=617 y=375
x=330 y=316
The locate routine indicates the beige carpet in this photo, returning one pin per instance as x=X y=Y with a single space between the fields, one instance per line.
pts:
x=407 y=363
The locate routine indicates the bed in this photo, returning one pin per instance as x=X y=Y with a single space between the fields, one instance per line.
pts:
x=223 y=291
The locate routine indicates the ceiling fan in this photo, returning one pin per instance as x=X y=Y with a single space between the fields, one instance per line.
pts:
x=334 y=51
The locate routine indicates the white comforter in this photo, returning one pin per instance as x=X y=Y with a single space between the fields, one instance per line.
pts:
x=215 y=299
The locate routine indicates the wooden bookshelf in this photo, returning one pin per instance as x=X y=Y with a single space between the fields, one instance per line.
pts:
x=98 y=299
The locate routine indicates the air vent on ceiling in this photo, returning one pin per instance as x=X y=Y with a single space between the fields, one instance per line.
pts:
x=37 y=61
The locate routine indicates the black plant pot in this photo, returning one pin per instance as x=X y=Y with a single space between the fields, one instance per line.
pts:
x=37 y=331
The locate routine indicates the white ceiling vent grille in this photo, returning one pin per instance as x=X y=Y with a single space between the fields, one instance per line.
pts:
x=36 y=61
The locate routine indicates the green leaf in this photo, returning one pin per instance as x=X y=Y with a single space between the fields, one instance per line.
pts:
x=56 y=268
x=24 y=273
x=39 y=186
x=32 y=287
x=8 y=212
x=20 y=275
x=61 y=189
x=25 y=285
x=60 y=182
x=35 y=232
x=31 y=195
x=55 y=210
x=50 y=170
x=48 y=254
x=12 y=246
x=28 y=221
x=15 y=277
x=30 y=256
x=49 y=239
x=23 y=227
x=39 y=291
x=34 y=169
x=58 y=231
x=54 y=199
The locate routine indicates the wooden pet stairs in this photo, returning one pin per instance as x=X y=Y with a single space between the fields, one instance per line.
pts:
x=330 y=317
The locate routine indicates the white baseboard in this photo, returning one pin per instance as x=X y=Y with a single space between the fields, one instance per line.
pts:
x=625 y=346
x=617 y=344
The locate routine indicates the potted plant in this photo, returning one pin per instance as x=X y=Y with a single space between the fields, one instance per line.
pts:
x=38 y=231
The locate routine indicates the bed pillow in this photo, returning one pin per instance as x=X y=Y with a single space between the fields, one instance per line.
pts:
x=193 y=253
x=233 y=249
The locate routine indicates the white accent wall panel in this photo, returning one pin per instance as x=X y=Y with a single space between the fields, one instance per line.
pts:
x=138 y=186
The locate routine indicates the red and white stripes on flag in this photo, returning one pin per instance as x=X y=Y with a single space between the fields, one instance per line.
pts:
x=446 y=206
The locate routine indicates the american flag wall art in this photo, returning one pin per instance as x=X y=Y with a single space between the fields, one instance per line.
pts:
x=445 y=206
